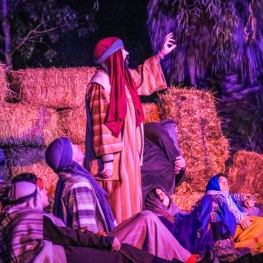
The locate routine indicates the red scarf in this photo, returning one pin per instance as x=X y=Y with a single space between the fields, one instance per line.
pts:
x=119 y=77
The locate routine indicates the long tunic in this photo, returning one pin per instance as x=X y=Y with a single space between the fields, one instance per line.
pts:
x=158 y=160
x=124 y=187
x=88 y=247
x=80 y=206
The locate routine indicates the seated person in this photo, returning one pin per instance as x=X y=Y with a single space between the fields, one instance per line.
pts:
x=202 y=229
x=30 y=235
x=81 y=204
x=163 y=166
x=217 y=219
x=249 y=230
x=160 y=203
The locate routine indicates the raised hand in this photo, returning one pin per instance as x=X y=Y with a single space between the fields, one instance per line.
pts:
x=168 y=45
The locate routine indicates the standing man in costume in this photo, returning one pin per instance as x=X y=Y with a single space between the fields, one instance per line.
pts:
x=114 y=121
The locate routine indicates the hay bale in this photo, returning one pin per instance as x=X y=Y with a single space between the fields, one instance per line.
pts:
x=151 y=112
x=185 y=197
x=24 y=125
x=3 y=84
x=201 y=141
x=32 y=160
x=53 y=87
x=73 y=124
x=246 y=175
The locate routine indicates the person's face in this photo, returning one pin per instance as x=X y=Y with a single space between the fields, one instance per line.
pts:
x=125 y=55
x=44 y=197
x=78 y=155
x=223 y=182
x=162 y=196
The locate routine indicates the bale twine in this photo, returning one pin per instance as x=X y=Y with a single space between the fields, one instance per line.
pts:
x=201 y=141
x=151 y=112
x=24 y=125
x=246 y=175
x=53 y=87
x=73 y=124
x=3 y=84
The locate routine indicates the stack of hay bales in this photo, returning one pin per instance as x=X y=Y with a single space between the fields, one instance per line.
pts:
x=201 y=141
x=246 y=175
x=51 y=104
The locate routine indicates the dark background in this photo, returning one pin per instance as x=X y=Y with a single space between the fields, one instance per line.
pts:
x=125 y=19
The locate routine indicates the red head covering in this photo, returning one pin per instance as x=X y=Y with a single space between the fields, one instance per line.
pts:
x=119 y=77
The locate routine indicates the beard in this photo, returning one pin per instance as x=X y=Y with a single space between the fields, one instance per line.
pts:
x=126 y=62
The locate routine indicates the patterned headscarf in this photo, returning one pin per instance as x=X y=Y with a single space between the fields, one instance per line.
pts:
x=213 y=188
x=21 y=224
x=108 y=55
x=59 y=157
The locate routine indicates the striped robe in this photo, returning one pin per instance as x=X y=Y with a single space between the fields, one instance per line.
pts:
x=124 y=187
x=80 y=205
x=21 y=234
x=145 y=231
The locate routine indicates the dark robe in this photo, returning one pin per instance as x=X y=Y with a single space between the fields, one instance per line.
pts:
x=158 y=160
x=91 y=248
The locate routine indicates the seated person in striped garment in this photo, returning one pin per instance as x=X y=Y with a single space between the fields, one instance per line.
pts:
x=198 y=231
x=218 y=222
x=28 y=234
x=249 y=230
x=81 y=204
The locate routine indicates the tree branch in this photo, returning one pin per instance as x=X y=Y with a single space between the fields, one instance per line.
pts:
x=34 y=34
